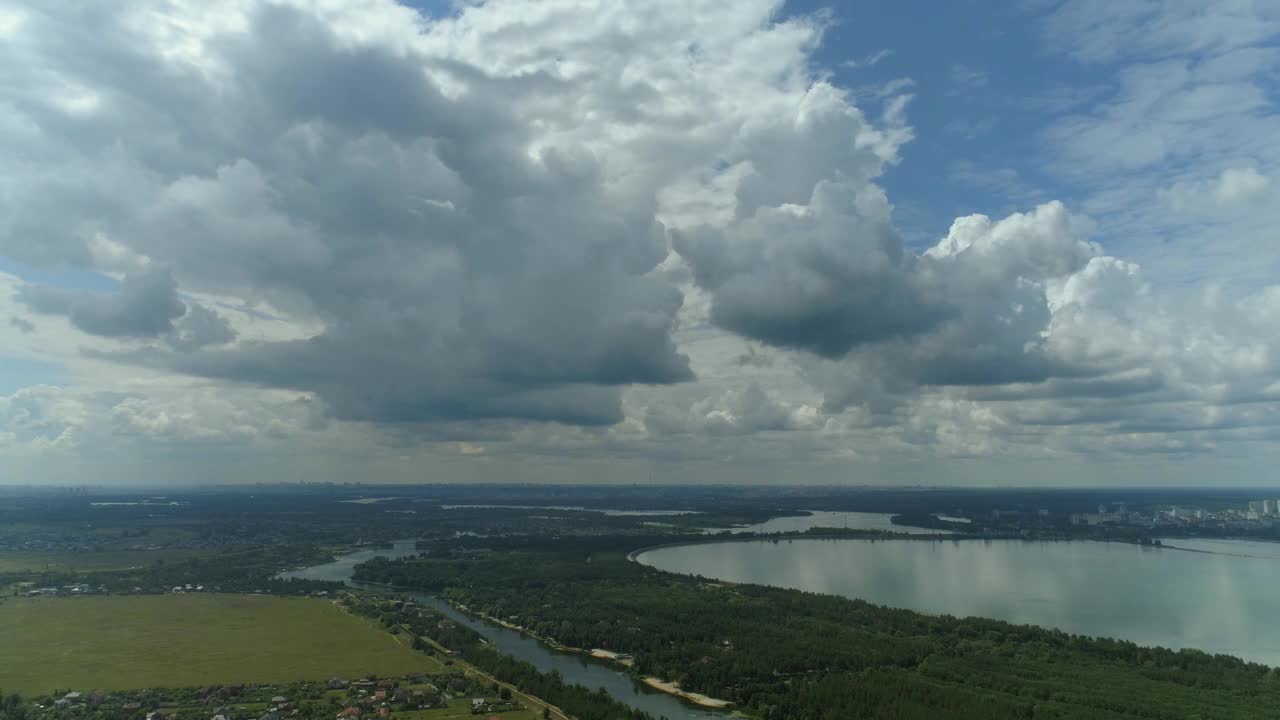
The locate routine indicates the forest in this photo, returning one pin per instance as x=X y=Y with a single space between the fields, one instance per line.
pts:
x=781 y=654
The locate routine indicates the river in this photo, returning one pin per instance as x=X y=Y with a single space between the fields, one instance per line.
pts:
x=1221 y=598
x=573 y=667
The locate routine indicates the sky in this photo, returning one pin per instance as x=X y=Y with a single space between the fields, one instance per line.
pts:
x=1025 y=243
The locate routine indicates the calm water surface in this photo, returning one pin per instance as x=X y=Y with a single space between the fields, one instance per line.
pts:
x=573 y=667
x=1223 y=599
x=580 y=508
x=823 y=519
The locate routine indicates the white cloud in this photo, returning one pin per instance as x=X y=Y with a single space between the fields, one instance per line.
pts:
x=868 y=61
x=39 y=418
x=1237 y=184
x=1186 y=123
x=518 y=232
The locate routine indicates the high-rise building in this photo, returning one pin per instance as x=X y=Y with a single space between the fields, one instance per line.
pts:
x=1256 y=506
x=1268 y=507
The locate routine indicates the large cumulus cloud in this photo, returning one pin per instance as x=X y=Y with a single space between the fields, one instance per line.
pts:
x=467 y=249
x=519 y=210
x=1009 y=331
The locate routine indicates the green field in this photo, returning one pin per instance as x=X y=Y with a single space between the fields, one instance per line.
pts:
x=122 y=642
x=92 y=561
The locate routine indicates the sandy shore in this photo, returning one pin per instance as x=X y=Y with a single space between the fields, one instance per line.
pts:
x=615 y=657
x=695 y=698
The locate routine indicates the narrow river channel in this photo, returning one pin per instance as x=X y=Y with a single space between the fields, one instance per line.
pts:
x=572 y=667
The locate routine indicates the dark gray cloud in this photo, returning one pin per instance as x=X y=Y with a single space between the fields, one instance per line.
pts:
x=200 y=327
x=827 y=278
x=145 y=307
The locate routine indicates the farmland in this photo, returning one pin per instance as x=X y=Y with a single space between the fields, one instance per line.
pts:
x=188 y=640
x=54 y=561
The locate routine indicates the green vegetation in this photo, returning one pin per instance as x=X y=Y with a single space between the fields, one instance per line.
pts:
x=933 y=522
x=432 y=632
x=249 y=570
x=461 y=707
x=787 y=654
x=111 y=643
x=580 y=702
x=561 y=574
x=69 y=561
x=409 y=697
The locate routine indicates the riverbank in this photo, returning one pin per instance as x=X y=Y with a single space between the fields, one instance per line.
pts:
x=664 y=686
x=696 y=698
x=1166 y=546
x=622 y=683
x=532 y=700
x=620 y=658
x=957 y=537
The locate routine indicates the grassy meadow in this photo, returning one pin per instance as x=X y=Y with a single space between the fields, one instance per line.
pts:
x=122 y=642
x=92 y=561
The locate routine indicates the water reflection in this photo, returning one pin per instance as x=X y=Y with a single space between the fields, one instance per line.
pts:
x=1215 y=602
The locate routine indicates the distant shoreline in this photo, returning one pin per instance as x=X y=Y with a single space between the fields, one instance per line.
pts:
x=634 y=555
x=871 y=535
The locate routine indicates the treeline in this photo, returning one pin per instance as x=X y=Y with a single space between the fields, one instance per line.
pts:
x=782 y=654
x=931 y=522
x=240 y=571
x=424 y=622
x=252 y=570
x=11 y=707
x=578 y=701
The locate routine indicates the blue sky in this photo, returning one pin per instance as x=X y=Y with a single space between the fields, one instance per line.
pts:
x=558 y=239
x=976 y=69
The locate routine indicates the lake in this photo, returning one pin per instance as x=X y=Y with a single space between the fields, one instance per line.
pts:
x=579 y=508
x=823 y=519
x=1222 y=598
x=574 y=667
